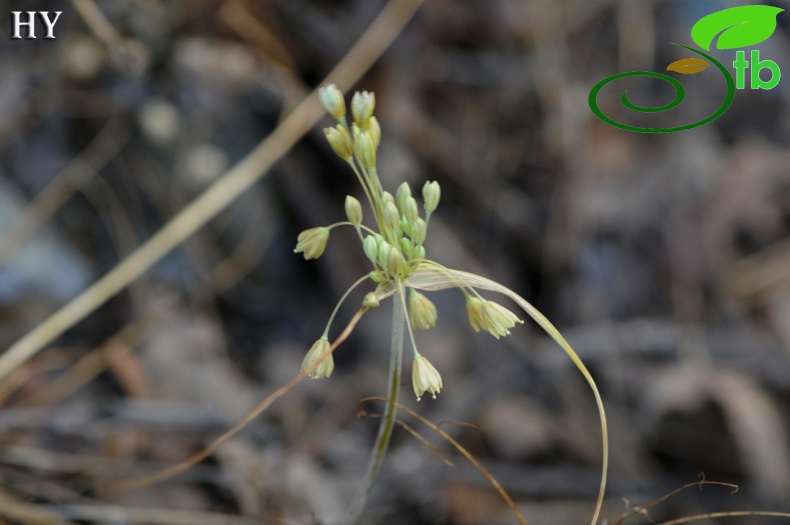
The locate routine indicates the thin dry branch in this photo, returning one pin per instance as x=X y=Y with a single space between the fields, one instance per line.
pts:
x=22 y=512
x=144 y=481
x=468 y=455
x=642 y=509
x=110 y=139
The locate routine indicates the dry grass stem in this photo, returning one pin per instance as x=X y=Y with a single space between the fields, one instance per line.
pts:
x=143 y=481
x=107 y=143
x=502 y=492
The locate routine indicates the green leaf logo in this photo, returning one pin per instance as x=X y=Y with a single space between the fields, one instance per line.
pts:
x=739 y=27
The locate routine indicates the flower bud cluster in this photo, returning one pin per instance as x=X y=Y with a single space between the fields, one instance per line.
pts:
x=396 y=249
x=397 y=217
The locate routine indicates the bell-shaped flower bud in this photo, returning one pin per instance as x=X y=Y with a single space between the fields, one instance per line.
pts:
x=340 y=141
x=387 y=197
x=384 y=252
x=391 y=217
x=395 y=263
x=403 y=193
x=332 y=101
x=490 y=316
x=371 y=248
x=319 y=352
x=430 y=195
x=312 y=242
x=365 y=150
x=406 y=246
x=362 y=106
x=410 y=212
x=374 y=128
x=418 y=231
x=353 y=210
x=425 y=378
x=422 y=311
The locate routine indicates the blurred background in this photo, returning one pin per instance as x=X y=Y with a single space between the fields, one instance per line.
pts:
x=664 y=259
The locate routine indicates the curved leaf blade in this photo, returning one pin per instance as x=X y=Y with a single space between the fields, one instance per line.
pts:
x=688 y=66
x=741 y=26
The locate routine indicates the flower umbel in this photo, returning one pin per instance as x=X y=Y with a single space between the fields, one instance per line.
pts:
x=319 y=349
x=312 y=242
x=394 y=244
x=424 y=377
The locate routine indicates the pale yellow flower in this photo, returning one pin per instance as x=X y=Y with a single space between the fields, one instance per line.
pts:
x=316 y=352
x=474 y=309
x=312 y=242
x=362 y=106
x=332 y=100
x=431 y=193
x=340 y=141
x=490 y=316
x=421 y=311
x=425 y=378
x=353 y=210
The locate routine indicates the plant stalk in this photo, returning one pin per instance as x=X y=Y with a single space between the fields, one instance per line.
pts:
x=387 y=420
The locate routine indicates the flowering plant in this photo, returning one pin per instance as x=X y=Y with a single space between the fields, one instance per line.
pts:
x=396 y=250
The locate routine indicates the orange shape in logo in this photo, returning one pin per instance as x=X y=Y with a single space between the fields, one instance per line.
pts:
x=688 y=66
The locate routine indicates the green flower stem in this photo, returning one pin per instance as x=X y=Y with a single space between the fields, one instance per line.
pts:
x=374 y=177
x=402 y=295
x=388 y=420
x=347 y=223
x=337 y=306
x=358 y=227
x=371 y=200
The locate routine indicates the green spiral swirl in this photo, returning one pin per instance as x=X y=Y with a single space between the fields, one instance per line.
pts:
x=680 y=94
